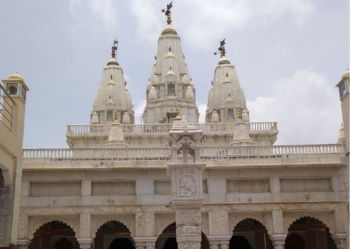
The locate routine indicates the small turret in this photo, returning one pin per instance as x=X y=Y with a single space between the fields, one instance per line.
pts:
x=344 y=92
x=226 y=101
x=113 y=98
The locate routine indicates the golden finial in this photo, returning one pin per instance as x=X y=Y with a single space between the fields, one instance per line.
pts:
x=167 y=12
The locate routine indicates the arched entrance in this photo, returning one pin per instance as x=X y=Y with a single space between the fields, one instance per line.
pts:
x=308 y=232
x=167 y=239
x=113 y=235
x=250 y=234
x=54 y=235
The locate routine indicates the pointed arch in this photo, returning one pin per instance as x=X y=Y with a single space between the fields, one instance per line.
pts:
x=266 y=225
x=250 y=233
x=326 y=219
x=98 y=221
x=307 y=232
x=39 y=222
x=54 y=234
x=113 y=234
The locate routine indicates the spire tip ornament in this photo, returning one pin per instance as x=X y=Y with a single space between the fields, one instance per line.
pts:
x=167 y=12
x=114 y=48
x=222 y=49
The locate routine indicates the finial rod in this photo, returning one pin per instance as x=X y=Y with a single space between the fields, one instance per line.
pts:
x=221 y=49
x=167 y=12
x=114 y=48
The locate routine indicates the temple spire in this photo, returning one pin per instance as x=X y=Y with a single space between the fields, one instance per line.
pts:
x=167 y=12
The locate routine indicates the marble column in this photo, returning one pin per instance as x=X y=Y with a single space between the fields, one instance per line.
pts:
x=278 y=240
x=85 y=243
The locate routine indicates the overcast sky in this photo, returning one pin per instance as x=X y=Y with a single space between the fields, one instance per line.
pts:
x=289 y=55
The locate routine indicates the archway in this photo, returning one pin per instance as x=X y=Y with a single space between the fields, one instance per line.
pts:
x=250 y=234
x=113 y=235
x=167 y=239
x=54 y=235
x=308 y=232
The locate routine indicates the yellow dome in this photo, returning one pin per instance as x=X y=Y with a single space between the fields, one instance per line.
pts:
x=15 y=76
x=112 y=62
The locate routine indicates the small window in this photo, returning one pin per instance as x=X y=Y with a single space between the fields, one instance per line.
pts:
x=171 y=89
x=230 y=114
x=109 y=115
x=12 y=90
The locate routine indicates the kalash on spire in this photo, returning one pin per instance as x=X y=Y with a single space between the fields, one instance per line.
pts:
x=170 y=86
x=113 y=100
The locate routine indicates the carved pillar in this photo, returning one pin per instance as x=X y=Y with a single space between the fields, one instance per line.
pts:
x=340 y=240
x=186 y=172
x=23 y=244
x=278 y=240
x=213 y=244
x=85 y=243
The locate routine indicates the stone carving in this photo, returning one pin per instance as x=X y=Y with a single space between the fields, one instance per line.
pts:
x=189 y=245
x=188 y=216
x=187 y=183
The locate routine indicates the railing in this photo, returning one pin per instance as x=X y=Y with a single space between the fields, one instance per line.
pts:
x=272 y=151
x=7 y=108
x=163 y=154
x=103 y=129
x=100 y=154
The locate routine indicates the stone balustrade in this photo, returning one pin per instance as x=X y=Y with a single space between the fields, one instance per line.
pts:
x=163 y=129
x=207 y=154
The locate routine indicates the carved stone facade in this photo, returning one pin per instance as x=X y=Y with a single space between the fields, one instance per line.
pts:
x=172 y=180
